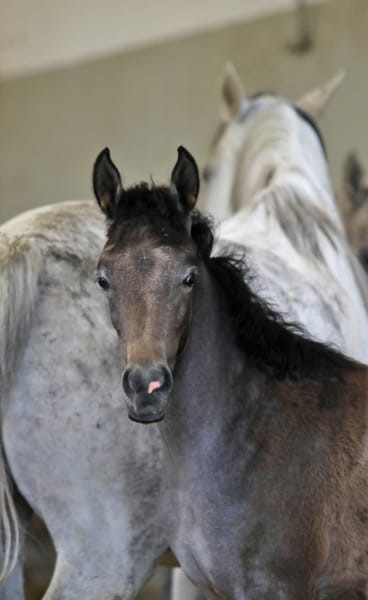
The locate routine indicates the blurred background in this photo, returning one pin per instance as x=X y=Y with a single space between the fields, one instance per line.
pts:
x=142 y=77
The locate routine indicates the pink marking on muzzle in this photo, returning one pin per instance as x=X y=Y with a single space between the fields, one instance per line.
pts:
x=153 y=385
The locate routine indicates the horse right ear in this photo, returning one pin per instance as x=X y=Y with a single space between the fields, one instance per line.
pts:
x=185 y=178
x=232 y=93
x=107 y=184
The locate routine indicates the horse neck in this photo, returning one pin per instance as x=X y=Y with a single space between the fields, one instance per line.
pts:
x=206 y=377
x=281 y=150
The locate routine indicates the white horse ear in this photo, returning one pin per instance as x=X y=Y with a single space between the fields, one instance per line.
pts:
x=232 y=92
x=315 y=101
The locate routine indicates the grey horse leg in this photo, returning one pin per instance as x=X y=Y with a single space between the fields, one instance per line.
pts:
x=13 y=586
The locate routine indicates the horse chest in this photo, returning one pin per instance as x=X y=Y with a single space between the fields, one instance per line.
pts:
x=210 y=509
x=227 y=544
x=214 y=561
x=206 y=537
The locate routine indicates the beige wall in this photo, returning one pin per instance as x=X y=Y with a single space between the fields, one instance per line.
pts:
x=144 y=104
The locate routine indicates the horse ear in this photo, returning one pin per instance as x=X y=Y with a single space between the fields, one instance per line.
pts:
x=185 y=178
x=355 y=183
x=107 y=184
x=353 y=173
x=315 y=101
x=232 y=92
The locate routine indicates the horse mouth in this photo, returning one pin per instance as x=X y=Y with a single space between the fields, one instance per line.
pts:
x=146 y=418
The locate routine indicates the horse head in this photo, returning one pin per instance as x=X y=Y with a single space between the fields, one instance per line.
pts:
x=148 y=269
x=243 y=148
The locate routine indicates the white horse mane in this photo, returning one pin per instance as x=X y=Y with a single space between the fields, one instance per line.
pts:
x=291 y=177
x=278 y=160
x=305 y=225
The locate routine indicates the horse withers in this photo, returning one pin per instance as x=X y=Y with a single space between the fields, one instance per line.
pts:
x=264 y=430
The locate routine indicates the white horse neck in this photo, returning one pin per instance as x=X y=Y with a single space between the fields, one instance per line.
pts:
x=281 y=149
x=281 y=188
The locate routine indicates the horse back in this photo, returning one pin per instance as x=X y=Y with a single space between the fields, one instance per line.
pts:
x=347 y=568
x=331 y=429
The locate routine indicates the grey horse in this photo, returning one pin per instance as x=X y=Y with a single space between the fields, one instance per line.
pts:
x=69 y=452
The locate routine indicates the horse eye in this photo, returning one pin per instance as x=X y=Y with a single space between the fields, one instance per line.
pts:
x=103 y=282
x=190 y=280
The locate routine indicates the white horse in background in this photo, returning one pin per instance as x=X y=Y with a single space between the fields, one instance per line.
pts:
x=69 y=452
x=267 y=183
x=268 y=164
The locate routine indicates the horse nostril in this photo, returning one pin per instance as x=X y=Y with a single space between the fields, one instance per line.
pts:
x=137 y=380
x=134 y=381
x=158 y=379
x=125 y=381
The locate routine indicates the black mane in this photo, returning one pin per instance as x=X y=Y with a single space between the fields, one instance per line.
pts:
x=157 y=205
x=281 y=349
x=277 y=347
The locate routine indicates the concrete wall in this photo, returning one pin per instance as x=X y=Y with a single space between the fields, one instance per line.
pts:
x=145 y=103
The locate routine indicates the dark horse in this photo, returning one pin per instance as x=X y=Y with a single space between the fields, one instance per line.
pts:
x=265 y=431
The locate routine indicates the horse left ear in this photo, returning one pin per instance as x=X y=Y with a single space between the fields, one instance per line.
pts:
x=353 y=173
x=185 y=178
x=107 y=184
x=355 y=184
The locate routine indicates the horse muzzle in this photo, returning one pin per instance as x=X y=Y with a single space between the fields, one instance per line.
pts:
x=147 y=389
